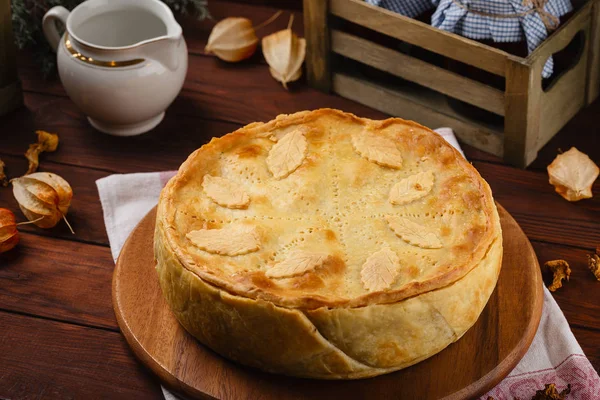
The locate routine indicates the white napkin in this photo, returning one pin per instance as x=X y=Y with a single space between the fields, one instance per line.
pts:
x=554 y=355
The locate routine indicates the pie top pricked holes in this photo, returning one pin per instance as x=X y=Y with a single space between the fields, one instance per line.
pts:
x=326 y=209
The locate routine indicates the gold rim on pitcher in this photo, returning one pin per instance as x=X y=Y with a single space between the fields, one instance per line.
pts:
x=98 y=63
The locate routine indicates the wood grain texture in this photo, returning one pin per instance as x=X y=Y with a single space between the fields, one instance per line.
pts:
x=467 y=368
x=568 y=95
x=579 y=299
x=418 y=71
x=164 y=148
x=522 y=115
x=593 y=72
x=318 y=44
x=420 y=107
x=85 y=213
x=51 y=360
x=581 y=132
x=228 y=92
x=588 y=339
x=58 y=279
x=196 y=32
x=540 y=211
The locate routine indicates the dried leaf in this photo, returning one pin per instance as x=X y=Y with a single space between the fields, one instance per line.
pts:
x=9 y=236
x=594 y=263
x=287 y=154
x=225 y=192
x=560 y=270
x=232 y=39
x=285 y=53
x=380 y=270
x=413 y=233
x=3 y=178
x=377 y=148
x=551 y=393
x=43 y=197
x=297 y=263
x=573 y=173
x=47 y=142
x=229 y=241
x=412 y=188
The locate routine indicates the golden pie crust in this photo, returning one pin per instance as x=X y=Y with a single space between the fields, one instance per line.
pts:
x=329 y=246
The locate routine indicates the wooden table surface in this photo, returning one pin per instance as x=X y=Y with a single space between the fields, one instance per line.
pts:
x=58 y=333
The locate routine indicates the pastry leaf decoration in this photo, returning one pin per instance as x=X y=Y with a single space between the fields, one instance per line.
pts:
x=413 y=233
x=287 y=154
x=380 y=270
x=412 y=188
x=225 y=192
x=229 y=241
x=297 y=263
x=377 y=148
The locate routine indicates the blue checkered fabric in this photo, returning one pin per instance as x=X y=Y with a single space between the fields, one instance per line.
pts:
x=409 y=8
x=451 y=17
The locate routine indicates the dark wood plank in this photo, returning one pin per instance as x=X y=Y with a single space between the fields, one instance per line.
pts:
x=58 y=279
x=579 y=299
x=196 y=32
x=474 y=154
x=289 y=4
x=85 y=213
x=51 y=360
x=164 y=148
x=542 y=213
x=239 y=93
x=318 y=44
x=247 y=93
x=582 y=132
x=230 y=92
x=588 y=339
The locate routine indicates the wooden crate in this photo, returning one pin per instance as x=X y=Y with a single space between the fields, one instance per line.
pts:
x=531 y=115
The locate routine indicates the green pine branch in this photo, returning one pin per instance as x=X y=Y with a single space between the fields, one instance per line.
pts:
x=27 y=25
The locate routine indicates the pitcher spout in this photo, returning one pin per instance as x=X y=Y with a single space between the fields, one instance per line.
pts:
x=167 y=48
x=166 y=51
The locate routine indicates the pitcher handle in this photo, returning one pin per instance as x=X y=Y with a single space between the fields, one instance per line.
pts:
x=49 y=24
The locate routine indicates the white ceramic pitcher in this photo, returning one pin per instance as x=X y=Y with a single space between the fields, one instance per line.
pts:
x=122 y=62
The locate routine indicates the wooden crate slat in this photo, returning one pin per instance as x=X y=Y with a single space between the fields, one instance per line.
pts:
x=422 y=35
x=593 y=86
x=413 y=107
x=318 y=71
x=562 y=102
x=561 y=37
x=568 y=95
x=522 y=121
x=420 y=72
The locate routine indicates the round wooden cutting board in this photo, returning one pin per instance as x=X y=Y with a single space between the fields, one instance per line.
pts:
x=466 y=369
